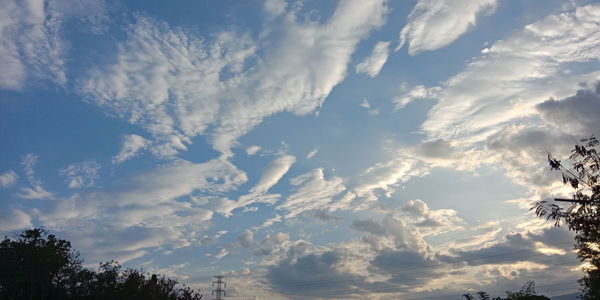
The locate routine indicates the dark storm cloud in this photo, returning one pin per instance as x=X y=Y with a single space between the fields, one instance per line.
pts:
x=577 y=114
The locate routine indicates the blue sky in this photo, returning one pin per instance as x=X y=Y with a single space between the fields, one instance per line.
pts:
x=303 y=149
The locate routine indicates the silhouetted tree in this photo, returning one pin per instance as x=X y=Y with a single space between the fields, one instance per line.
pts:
x=583 y=216
x=527 y=292
x=36 y=266
x=39 y=266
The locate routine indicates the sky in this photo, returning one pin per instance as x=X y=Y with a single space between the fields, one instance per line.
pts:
x=302 y=149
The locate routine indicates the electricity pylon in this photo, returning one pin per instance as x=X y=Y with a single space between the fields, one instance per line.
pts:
x=219 y=291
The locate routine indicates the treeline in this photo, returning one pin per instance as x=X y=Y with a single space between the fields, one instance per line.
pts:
x=527 y=292
x=37 y=265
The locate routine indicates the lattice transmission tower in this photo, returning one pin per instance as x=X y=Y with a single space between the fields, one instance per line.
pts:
x=219 y=292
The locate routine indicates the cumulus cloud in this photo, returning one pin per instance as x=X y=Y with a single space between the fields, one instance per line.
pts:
x=368 y=226
x=246 y=239
x=207 y=240
x=80 y=175
x=576 y=114
x=291 y=276
x=252 y=150
x=394 y=259
x=276 y=238
x=371 y=264
x=520 y=247
x=323 y=215
x=434 y=24
x=8 y=179
x=273 y=172
x=430 y=221
x=130 y=146
x=159 y=68
x=372 y=65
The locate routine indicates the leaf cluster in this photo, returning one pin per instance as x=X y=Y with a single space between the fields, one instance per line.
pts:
x=37 y=265
x=527 y=292
x=583 y=215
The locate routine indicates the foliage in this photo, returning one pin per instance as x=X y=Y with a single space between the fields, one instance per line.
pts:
x=37 y=265
x=583 y=215
x=527 y=292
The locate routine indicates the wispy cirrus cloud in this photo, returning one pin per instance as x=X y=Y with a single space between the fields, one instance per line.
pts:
x=80 y=175
x=159 y=67
x=32 y=45
x=435 y=24
x=273 y=172
x=131 y=145
x=35 y=190
x=372 y=65
x=171 y=205
x=517 y=73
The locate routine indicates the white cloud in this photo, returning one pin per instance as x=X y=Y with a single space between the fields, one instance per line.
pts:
x=32 y=45
x=269 y=222
x=275 y=7
x=431 y=221
x=368 y=226
x=168 y=207
x=276 y=239
x=8 y=179
x=181 y=178
x=519 y=72
x=31 y=42
x=385 y=175
x=207 y=240
x=252 y=150
x=312 y=153
x=418 y=92
x=434 y=24
x=14 y=219
x=576 y=114
x=313 y=191
x=246 y=239
x=130 y=146
x=222 y=253
x=36 y=190
x=372 y=112
x=372 y=65
x=159 y=68
x=28 y=161
x=80 y=175
x=273 y=172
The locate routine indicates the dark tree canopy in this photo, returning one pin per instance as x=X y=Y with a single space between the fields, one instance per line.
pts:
x=527 y=292
x=37 y=265
x=582 y=173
